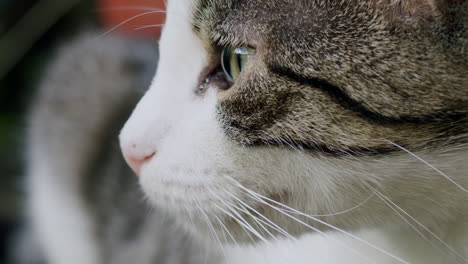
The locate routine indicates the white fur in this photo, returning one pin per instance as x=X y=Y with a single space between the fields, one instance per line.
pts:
x=194 y=162
x=60 y=217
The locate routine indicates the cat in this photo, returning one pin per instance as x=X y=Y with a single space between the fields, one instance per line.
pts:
x=85 y=205
x=310 y=131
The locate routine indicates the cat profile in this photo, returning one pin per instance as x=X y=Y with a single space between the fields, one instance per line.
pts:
x=306 y=131
x=318 y=131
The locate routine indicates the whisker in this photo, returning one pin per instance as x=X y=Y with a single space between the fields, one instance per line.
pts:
x=257 y=221
x=261 y=197
x=130 y=19
x=226 y=229
x=148 y=26
x=390 y=202
x=223 y=229
x=271 y=223
x=246 y=229
x=406 y=220
x=118 y=8
x=208 y=222
x=314 y=229
x=344 y=211
x=428 y=164
x=240 y=218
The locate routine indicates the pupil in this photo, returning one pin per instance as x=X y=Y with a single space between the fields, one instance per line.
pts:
x=239 y=62
x=226 y=59
x=233 y=60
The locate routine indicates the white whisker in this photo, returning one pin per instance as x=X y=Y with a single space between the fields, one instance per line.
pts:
x=130 y=19
x=406 y=220
x=271 y=223
x=117 y=8
x=257 y=221
x=226 y=229
x=312 y=228
x=148 y=26
x=240 y=218
x=208 y=222
x=428 y=164
x=344 y=211
x=390 y=202
x=261 y=197
x=246 y=228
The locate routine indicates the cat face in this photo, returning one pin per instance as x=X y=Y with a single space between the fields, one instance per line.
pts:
x=261 y=108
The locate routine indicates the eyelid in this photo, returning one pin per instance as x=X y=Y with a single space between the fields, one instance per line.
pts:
x=221 y=43
x=245 y=50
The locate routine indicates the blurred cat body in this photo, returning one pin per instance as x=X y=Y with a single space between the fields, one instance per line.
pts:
x=349 y=120
x=85 y=203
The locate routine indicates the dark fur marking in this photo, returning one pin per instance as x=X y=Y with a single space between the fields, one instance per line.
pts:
x=347 y=102
x=318 y=148
x=325 y=150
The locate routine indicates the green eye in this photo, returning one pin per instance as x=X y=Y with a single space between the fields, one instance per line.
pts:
x=234 y=59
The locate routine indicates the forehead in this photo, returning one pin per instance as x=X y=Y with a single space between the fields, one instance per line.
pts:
x=232 y=12
x=245 y=20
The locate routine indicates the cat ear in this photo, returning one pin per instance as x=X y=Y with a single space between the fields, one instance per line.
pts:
x=424 y=11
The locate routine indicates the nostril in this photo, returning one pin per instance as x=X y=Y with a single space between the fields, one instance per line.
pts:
x=136 y=162
x=148 y=158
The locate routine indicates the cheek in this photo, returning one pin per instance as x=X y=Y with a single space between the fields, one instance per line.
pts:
x=254 y=103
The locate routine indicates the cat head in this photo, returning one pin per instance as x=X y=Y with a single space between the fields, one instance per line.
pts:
x=277 y=117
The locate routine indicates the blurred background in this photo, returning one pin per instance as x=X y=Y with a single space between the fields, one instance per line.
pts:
x=30 y=32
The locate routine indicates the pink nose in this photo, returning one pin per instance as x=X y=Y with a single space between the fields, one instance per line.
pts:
x=136 y=161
